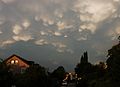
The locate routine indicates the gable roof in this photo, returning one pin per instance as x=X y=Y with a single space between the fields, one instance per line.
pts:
x=26 y=61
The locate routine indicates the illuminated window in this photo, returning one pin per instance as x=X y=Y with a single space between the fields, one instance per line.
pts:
x=12 y=62
x=16 y=61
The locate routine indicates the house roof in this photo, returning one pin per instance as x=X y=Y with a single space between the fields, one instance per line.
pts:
x=26 y=61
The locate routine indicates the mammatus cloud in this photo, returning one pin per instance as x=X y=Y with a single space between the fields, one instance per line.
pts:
x=22 y=38
x=43 y=33
x=113 y=34
x=41 y=42
x=26 y=24
x=92 y=13
x=7 y=42
x=53 y=17
x=17 y=29
x=57 y=33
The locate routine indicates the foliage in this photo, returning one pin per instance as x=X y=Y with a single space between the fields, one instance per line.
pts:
x=6 y=79
x=88 y=73
x=112 y=77
x=35 y=76
x=113 y=61
x=59 y=73
x=84 y=67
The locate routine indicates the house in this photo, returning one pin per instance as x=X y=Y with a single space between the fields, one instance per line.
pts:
x=17 y=64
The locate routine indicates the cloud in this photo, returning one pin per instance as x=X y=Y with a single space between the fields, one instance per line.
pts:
x=43 y=33
x=62 y=47
x=26 y=24
x=116 y=0
x=7 y=42
x=94 y=12
x=58 y=14
x=65 y=36
x=17 y=29
x=1 y=32
x=46 y=20
x=2 y=19
x=8 y=1
x=22 y=38
x=59 y=45
x=70 y=51
x=117 y=30
x=57 y=33
x=61 y=25
x=41 y=42
x=82 y=38
x=113 y=34
x=89 y=26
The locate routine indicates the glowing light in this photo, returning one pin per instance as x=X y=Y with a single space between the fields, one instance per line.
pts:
x=79 y=78
x=12 y=62
x=16 y=61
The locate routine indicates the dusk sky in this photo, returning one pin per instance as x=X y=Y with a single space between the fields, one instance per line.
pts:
x=57 y=32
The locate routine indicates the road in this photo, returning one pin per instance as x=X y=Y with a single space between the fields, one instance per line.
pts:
x=70 y=85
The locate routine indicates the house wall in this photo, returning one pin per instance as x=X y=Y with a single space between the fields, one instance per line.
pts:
x=20 y=63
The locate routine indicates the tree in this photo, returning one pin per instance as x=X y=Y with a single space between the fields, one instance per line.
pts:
x=59 y=73
x=84 y=58
x=113 y=61
x=35 y=76
x=57 y=76
x=84 y=67
x=83 y=70
x=6 y=79
x=112 y=76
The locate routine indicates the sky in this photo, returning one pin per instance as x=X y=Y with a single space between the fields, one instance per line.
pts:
x=57 y=32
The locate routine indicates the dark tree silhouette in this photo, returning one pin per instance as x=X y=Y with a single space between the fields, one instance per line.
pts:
x=84 y=67
x=112 y=76
x=83 y=70
x=84 y=58
x=88 y=73
x=58 y=75
x=113 y=61
x=6 y=79
x=35 y=76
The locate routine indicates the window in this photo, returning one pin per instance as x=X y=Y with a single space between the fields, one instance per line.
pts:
x=16 y=61
x=12 y=61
